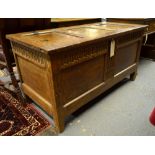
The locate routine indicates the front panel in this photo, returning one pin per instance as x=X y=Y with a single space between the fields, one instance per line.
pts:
x=81 y=69
x=125 y=56
x=127 y=51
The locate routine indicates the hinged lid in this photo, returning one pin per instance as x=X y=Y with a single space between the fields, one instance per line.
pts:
x=55 y=39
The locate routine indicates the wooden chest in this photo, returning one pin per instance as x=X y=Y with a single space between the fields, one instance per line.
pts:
x=63 y=69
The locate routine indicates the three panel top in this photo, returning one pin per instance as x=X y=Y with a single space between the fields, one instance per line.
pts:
x=55 y=39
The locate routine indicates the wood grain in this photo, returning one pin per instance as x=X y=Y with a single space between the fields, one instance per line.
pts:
x=63 y=69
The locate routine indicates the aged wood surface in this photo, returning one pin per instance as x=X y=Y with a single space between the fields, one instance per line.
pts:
x=63 y=22
x=63 y=69
x=148 y=48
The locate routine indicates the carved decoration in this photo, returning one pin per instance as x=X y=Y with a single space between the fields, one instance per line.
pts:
x=129 y=37
x=82 y=54
x=33 y=55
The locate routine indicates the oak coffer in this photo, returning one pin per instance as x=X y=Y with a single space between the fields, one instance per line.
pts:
x=63 y=69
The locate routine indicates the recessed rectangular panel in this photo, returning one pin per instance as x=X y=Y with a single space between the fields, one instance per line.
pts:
x=125 y=56
x=35 y=77
x=80 y=78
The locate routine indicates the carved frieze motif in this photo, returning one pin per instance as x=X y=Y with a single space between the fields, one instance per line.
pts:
x=129 y=37
x=82 y=54
x=32 y=55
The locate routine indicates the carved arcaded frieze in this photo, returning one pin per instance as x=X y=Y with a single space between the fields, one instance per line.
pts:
x=129 y=37
x=82 y=54
x=33 y=55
